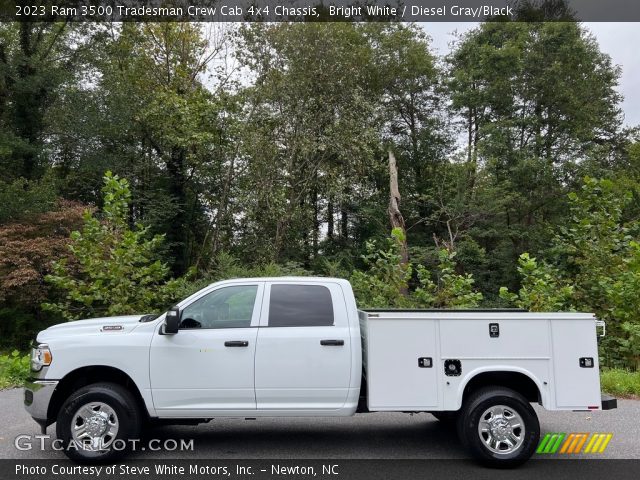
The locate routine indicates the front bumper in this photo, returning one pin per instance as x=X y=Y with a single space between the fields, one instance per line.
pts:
x=37 y=395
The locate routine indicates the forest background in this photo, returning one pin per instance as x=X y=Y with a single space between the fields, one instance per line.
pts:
x=142 y=161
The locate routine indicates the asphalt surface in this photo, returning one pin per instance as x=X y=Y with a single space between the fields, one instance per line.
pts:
x=364 y=436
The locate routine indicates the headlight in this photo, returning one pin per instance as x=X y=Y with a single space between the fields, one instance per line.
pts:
x=40 y=357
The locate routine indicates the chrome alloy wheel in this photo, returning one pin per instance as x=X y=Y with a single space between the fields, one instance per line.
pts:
x=501 y=429
x=94 y=426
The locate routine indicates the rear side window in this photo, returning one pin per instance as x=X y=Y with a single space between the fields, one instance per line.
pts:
x=300 y=306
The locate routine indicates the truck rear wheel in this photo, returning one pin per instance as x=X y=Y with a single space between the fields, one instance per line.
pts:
x=97 y=422
x=499 y=427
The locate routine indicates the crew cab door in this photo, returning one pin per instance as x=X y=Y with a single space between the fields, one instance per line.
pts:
x=303 y=353
x=208 y=366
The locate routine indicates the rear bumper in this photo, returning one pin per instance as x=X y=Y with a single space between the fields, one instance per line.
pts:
x=37 y=395
x=609 y=402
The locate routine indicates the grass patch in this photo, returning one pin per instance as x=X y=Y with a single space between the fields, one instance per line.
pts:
x=14 y=369
x=620 y=382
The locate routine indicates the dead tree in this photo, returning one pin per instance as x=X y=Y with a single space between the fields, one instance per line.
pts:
x=395 y=216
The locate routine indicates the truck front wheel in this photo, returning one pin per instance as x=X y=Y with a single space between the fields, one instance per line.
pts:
x=499 y=427
x=98 y=422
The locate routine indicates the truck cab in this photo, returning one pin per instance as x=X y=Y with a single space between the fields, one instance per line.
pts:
x=276 y=347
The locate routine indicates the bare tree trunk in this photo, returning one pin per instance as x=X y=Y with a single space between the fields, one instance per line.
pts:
x=344 y=214
x=316 y=217
x=330 y=218
x=222 y=208
x=395 y=216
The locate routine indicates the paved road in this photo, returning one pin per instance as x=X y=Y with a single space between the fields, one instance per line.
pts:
x=365 y=436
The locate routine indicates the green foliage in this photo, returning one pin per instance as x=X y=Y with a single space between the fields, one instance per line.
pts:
x=521 y=89
x=23 y=198
x=596 y=268
x=36 y=61
x=14 y=369
x=386 y=281
x=625 y=311
x=115 y=270
x=620 y=382
x=18 y=327
x=597 y=251
x=542 y=288
x=450 y=289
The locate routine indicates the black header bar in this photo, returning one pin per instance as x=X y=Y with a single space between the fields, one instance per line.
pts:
x=319 y=10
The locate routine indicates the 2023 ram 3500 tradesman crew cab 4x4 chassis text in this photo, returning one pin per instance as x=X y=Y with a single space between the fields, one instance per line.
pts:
x=300 y=347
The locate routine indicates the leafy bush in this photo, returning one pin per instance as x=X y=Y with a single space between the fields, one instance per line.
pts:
x=594 y=267
x=542 y=288
x=115 y=269
x=18 y=328
x=27 y=249
x=450 y=290
x=14 y=369
x=386 y=282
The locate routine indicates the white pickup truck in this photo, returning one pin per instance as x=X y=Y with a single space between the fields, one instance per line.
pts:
x=300 y=347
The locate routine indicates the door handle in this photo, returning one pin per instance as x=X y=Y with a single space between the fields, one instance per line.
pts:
x=236 y=343
x=332 y=342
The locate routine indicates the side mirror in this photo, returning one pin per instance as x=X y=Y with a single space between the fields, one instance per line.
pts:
x=171 y=321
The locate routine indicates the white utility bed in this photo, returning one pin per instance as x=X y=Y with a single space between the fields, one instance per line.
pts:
x=558 y=351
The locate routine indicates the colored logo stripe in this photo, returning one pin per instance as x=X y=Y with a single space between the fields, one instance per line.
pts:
x=598 y=443
x=550 y=443
x=573 y=443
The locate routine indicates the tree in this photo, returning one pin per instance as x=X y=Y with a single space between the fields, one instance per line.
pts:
x=450 y=289
x=395 y=215
x=413 y=115
x=309 y=136
x=535 y=99
x=542 y=290
x=28 y=246
x=594 y=268
x=22 y=199
x=626 y=307
x=386 y=280
x=596 y=250
x=114 y=269
x=151 y=116
x=36 y=59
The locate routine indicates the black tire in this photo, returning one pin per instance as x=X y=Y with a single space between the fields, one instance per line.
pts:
x=472 y=413
x=124 y=413
x=446 y=418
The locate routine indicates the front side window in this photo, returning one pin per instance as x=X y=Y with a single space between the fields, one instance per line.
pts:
x=300 y=306
x=227 y=307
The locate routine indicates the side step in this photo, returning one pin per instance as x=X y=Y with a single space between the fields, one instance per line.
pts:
x=609 y=402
